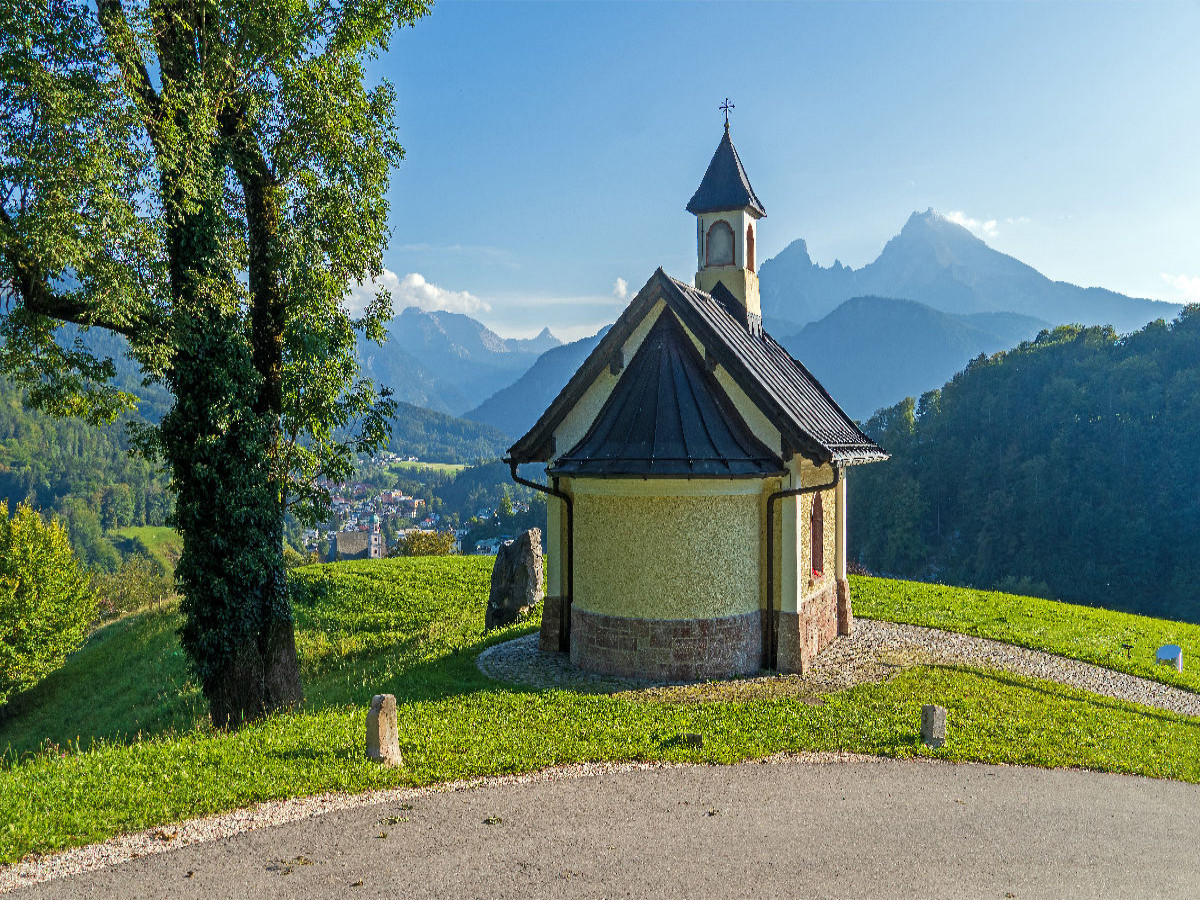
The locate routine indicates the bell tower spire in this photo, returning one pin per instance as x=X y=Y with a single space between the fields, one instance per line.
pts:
x=727 y=213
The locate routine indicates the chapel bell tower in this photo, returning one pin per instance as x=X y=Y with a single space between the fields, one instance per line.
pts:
x=727 y=213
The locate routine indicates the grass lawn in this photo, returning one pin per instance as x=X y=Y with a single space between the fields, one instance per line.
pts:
x=159 y=542
x=413 y=627
x=1114 y=640
x=406 y=466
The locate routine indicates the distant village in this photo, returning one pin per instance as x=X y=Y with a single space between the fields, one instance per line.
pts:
x=367 y=523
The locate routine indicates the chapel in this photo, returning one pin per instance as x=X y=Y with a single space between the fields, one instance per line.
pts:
x=697 y=476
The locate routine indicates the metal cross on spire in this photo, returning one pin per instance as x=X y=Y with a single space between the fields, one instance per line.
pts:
x=726 y=106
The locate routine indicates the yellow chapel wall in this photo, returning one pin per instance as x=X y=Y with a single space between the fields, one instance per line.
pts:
x=668 y=549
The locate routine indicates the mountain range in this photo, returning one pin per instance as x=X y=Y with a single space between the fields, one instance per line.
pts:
x=515 y=408
x=934 y=298
x=448 y=362
x=940 y=263
x=872 y=351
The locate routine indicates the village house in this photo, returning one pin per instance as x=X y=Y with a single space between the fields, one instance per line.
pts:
x=697 y=508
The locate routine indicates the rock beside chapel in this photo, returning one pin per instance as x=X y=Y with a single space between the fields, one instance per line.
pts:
x=517 y=580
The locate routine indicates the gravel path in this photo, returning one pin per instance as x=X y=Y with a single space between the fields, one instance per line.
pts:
x=874 y=652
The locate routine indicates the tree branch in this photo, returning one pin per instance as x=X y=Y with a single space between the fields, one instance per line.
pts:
x=260 y=192
x=30 y=286
x=124 y=48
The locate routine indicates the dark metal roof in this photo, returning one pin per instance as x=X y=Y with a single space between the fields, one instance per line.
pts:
x=668 y=417
x=773 y=378
x=785 y=391
x=725 y=185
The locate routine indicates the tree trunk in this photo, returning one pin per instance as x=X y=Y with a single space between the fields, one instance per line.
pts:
x=221 y=447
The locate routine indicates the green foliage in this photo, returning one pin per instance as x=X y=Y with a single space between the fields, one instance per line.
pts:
x=85 y=474
x=213 y=214
x=1065 y=466
x=413 y=627
x=425 y=543
x=46 y=606
x=432 y=435
x=140 y=582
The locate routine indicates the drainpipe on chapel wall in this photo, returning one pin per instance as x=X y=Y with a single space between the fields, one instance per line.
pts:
x=844 y=613
x=564 y=618
x=771 y=650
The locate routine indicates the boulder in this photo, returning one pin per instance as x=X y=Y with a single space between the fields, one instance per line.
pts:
x=517 y=580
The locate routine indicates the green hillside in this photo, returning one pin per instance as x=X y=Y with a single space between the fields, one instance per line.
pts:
x=116 y=740
x=1065 y=467
x=84 y=474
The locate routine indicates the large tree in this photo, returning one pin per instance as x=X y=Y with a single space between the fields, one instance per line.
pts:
x=205 y=178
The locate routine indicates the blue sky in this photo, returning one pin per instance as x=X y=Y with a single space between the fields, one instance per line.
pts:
x=551 y=146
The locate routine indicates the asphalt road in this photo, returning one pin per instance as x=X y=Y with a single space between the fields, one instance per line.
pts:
x=874 y=829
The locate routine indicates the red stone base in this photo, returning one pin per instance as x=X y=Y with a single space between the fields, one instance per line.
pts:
x=550 y=638
x=666 y=649
x=802 y=635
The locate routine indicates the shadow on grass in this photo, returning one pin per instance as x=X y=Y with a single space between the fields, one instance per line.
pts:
x=1073 y=694
x=452 y=674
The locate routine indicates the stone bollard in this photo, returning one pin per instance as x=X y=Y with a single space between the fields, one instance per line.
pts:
x=933 y=725
x=383 y=744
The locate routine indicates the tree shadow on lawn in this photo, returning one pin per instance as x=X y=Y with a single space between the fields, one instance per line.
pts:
x=451 y=674
x=1071 y=694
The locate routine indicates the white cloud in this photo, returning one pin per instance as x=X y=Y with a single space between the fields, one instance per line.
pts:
x=414 y=290
x=975 y=226
x=621 y=289
x=1187 y=285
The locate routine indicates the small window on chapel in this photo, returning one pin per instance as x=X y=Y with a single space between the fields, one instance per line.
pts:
x=750 y=247
x=816 y=531
x=719 y=250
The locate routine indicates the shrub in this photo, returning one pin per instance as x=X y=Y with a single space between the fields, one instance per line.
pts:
x=139 y=583
x=425 y=543
x=46 y=603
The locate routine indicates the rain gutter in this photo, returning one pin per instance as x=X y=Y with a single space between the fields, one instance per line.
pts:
x=564 y=619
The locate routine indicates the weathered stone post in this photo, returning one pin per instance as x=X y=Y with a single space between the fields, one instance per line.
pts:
x=383 y=743
x=933 y=725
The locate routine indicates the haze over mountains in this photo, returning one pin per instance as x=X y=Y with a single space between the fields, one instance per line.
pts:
x=934 y=298
x=871 y=352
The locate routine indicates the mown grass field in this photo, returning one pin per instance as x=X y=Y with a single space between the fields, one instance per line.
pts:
x=156 y=541
x=444 y=468
x=117 y=740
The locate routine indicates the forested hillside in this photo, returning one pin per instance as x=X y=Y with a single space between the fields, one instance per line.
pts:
x=437 y=437
x=1067 y=466
x=82 y=473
